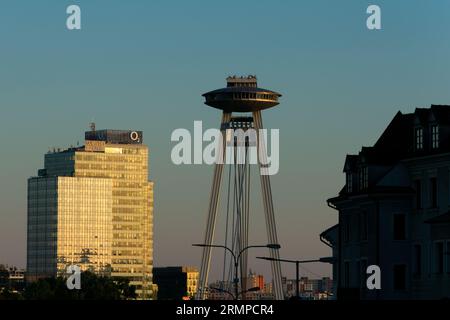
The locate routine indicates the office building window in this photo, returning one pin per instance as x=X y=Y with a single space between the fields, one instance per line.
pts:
x=349 y=182
x=363 y=226
x=418 y=188
x=434 y=136
x=399 y=227
x=433 y=192
x=417 y=260
x=399 y=277
x=419 y=138
x=439 y=257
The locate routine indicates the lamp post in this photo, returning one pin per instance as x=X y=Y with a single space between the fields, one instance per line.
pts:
x=297 y=267
x=236 y=260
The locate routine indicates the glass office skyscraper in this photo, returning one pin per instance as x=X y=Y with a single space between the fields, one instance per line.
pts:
x=92 y=206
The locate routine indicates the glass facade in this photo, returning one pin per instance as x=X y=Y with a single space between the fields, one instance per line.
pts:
x=84 y=224
x=93 y=206
x=41 y=227
x=192 y=281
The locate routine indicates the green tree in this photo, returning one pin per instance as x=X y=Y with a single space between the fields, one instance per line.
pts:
x=7 y=294
x=93 y=287
x=4 y=276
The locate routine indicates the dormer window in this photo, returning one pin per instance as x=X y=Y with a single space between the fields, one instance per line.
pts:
x=349 y=182
x=419 y=138
x=363 y=178
x=435 y=136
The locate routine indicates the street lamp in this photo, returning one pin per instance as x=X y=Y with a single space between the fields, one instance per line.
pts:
x=236 y=259
x=297 y=267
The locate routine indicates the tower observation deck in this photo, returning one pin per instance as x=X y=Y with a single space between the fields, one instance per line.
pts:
x=241 y=95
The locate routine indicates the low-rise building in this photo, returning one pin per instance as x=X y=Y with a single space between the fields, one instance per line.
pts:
x=176 y=283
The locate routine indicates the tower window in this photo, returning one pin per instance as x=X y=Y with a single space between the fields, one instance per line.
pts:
x=363 y=272
x=439 y=257
x=447 y=254
x=417 y=259
x=363 y=226
x=419 y=138
x=346 y=228
x=434 y=136
x=418 y=187
x=347 y=274
x=399 y=277
x=399 y=227
x=358 y=272
x=433 y=192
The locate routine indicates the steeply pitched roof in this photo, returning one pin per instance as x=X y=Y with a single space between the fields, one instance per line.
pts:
x=397 y=143
x=397 y=140
x=350 y=162
x=441 y=113
x=422 y=115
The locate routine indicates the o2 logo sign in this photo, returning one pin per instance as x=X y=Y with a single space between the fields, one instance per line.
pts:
x=134 y=136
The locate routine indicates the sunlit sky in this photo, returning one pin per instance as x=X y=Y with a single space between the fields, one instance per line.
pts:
x=144 y=65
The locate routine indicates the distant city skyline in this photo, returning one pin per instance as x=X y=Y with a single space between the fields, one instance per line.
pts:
x=144 y=65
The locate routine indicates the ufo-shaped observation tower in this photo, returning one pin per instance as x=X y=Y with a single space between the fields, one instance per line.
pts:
x=241 y=95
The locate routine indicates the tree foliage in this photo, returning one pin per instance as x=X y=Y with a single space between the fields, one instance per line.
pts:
x=93 y=287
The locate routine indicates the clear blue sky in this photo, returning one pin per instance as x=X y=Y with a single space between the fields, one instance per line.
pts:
x=144 y=64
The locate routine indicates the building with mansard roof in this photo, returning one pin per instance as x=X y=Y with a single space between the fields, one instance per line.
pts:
x=394 y=211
